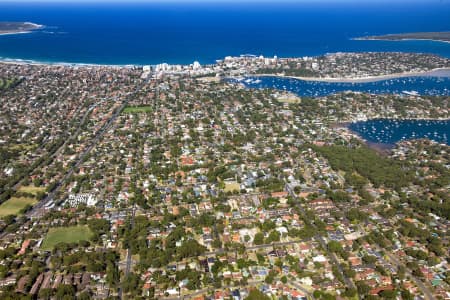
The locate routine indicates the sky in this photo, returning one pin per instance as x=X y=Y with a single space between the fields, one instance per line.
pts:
x=231 y=1
x=237 y=2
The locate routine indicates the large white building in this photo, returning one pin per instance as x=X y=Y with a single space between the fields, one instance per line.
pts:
x=75 y=200
x=196 y=65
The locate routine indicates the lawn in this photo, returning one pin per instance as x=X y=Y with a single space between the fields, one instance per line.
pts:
x=137 y=109
x=232 y=186
x=14 y=205
x=71 y=234
x=292 y=100
x=31 y=189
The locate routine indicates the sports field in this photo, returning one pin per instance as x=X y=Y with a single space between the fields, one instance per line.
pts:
x=14 y=205
x=137 y=109
x=71 y=234
x=31 y=189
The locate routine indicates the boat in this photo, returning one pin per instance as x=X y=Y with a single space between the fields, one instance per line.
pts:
x=411 y=93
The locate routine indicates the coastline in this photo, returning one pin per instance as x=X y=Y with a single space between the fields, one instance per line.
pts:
x=348 y=122
x=13 y=33
x=359 y=79
x=380 y=148
x=399 y=40
x=383 y=148
x=433 y=72
x=34 y=27
x=18 y=61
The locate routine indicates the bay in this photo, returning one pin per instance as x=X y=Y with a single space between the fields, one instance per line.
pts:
x=389 y=131
x=421 y=85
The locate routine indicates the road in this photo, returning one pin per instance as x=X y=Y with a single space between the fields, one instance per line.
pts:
x=322 y=242
x=335 y=260
x=394 y=260
x=208 y=290
x=249 y=283
x=424 y=289
x=58 y=150
x=300 y=288
x=256 y=247
x=36 y=210
x=128 y=266
x=128 y=259
x=76 y=133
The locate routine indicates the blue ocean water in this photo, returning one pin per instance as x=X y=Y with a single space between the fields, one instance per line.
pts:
x=422 y=85
x=151 y=33
x=386 y=131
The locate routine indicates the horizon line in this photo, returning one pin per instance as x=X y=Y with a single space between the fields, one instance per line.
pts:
x=227 y=1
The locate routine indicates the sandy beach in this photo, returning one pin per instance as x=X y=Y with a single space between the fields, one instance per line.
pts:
x=399 y=40
x=13 y=61
x=17 y=32
x=434 y=72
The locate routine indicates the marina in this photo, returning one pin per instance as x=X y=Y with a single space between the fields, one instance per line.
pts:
x=383 y=133
x=390 y=131
x=410 y=86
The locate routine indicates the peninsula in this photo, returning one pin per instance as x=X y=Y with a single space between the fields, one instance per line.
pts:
x=433 y=36
x=17 y=27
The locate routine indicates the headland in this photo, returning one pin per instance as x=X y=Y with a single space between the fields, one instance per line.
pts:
x=432 y=36
x=18 y=27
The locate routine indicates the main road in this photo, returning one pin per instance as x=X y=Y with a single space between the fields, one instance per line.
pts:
x=36 y=211
x=322 y=242
x=128 y=258
x=249 y=283
x=394 y=260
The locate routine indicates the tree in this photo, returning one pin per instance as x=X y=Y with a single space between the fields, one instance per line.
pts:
x=65 y=290
x=270 y=277
x=112 y=274
x=349 y=293
x=37 y=182
x=317 y=294
x=260 y=258
x=9 y=219
x=258 y=239
x=406 y=295
x=369 y=259
x=257 y=295
x=388 y=294
x=217 y=243
x=274 y=236
x=190 y=248
x=45 y=294
x=363 y=288
x=84 y=296
x=131 y=283
x=401 y=270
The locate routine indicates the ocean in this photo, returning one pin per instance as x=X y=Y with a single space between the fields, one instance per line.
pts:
x=180 y=33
